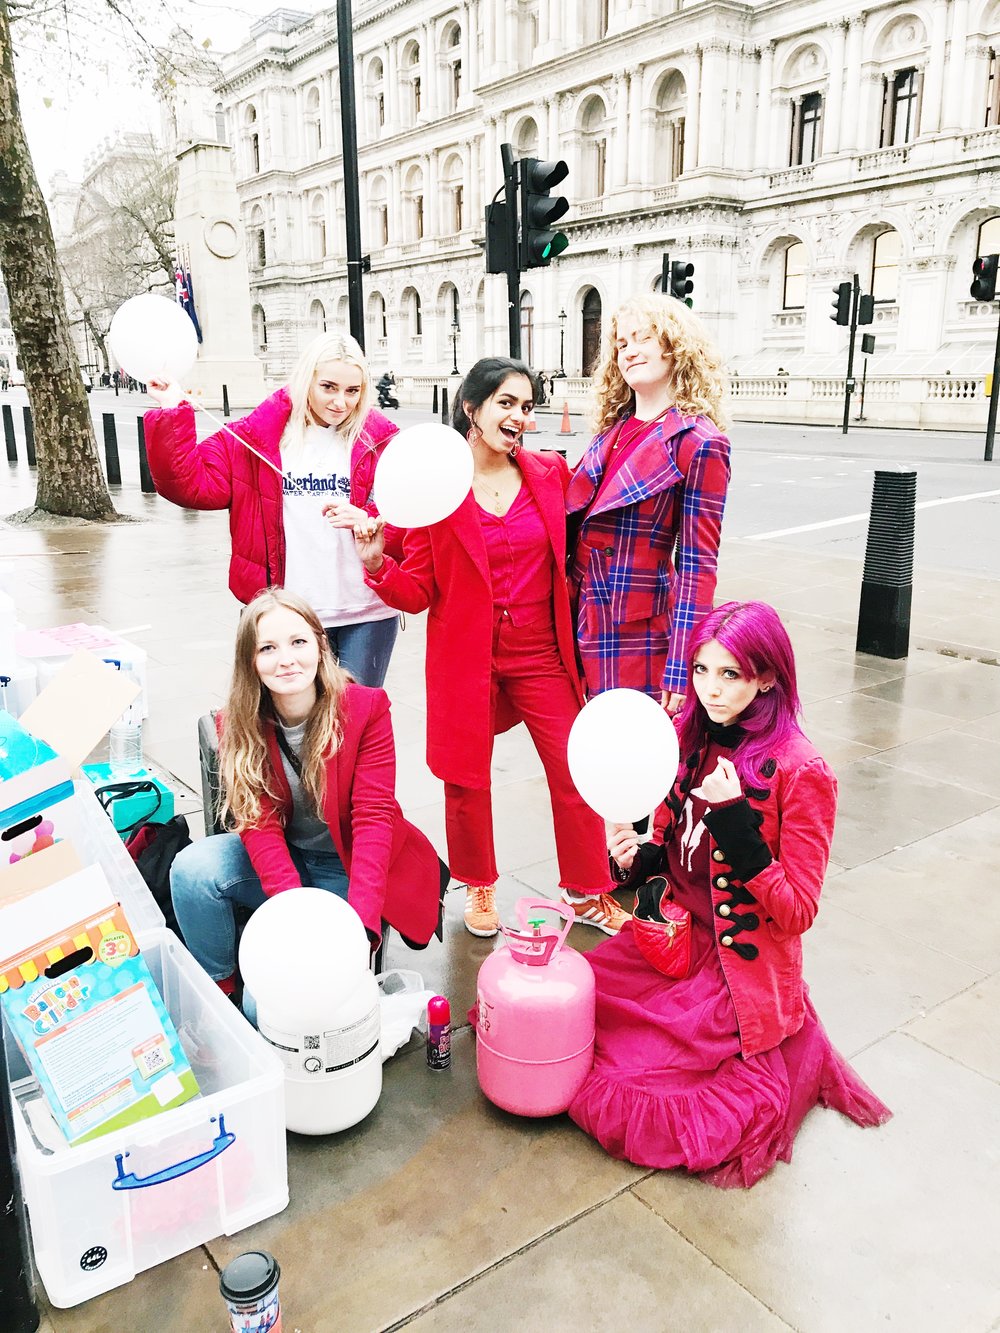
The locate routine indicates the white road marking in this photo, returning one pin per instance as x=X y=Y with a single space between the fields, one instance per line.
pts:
x=859 y=518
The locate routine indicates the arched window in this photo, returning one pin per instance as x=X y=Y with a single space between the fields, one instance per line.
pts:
x=453 y=190
x=413 y=198
x=527 y=328
x=453 y=64
x=526 y=138
x=671 y=107
x=258 y=242
x=794 y=283
x=375 y=96
x=377 y=316
x=590 y=349
x=885 y=266
x=378 y=204
x=413 y=311
x=221 y=133
x=314 y=126
x=593 y=148
x=317 y=227
x=411 y=74
x=317 y=316
x=259 y=323
x=989 y=237
x=253 y=141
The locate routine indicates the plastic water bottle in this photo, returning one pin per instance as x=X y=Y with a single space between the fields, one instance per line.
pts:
x=126 y=736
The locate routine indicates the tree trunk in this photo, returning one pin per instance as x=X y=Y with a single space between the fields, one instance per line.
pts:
x=70 y=481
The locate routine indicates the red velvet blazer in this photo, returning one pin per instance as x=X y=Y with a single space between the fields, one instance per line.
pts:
x=393 y=871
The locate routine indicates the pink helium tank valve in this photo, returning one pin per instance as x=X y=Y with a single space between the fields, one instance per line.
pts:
x=438 y=1033
x=535 y=1016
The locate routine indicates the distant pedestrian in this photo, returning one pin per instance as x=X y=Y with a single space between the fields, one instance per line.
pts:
x=4 y=379
x=646 y=500
x=321 y=433
x=713 y=1064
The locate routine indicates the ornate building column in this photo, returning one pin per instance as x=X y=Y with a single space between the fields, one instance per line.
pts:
x=852 y=81
x=692 y=127
x=390 y=83
x=713 y=65
x=954 y=105
x=930 y=111
x=620 y=172
x=762 y=139
x=830 y=140
x=637 y=130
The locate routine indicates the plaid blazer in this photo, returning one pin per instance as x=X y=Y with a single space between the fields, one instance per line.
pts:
x=644 y=568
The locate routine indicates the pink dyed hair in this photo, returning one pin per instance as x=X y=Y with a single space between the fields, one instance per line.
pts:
x=753 y=633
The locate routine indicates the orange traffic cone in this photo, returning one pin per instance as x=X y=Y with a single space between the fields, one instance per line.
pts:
x=566 y=428
x=530 y=424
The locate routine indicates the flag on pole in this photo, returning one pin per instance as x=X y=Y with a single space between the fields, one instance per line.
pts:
x=185 y=297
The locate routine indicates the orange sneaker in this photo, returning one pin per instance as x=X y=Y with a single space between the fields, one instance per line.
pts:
x=481 y=917
x=599 y=910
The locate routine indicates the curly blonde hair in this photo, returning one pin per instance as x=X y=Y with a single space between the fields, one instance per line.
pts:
x=699 y=378
x=244 y=763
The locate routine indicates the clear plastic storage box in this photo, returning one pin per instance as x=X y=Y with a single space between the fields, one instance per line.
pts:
x=104 y=1211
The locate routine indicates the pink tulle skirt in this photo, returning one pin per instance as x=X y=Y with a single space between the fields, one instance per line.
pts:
x=669 y=1087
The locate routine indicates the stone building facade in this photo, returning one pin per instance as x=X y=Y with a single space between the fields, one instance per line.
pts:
x=778 y=148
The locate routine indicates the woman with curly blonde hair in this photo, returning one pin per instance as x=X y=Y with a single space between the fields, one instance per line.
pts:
x=647 y=499
x=308 y=771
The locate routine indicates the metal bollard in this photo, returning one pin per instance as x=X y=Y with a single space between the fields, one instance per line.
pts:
x=434 y=400
x=8 y=432
x=444 y=403
x=112 y=462
x=29 y=436
x=225 y=401
x=145 y=477
x=887 y=582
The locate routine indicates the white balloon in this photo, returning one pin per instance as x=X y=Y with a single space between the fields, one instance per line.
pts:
x=422 y=476
x=623 y=755
x=153 y=338
x=302 y=953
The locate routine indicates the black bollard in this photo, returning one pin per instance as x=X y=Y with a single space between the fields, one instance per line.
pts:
x=20 y=1314
x=145 y=479
x=887 y=583
x=444 y=403
x=225 y=401
x=29 y=436
x=112 y=462
x=434 y=400
x=8 y=432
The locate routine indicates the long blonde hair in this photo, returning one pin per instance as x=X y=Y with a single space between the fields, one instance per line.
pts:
x=335 y=345
x=699 y=381
x=244 y=763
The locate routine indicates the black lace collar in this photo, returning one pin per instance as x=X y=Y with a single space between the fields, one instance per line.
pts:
x=726 y=734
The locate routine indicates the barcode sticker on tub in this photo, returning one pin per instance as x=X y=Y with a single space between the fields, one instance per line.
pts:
x=343 y=1047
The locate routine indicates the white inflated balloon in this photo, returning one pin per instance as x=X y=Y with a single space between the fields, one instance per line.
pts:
x=623 y=755
x=302 y=952
x=422 y=476
x=153 y=338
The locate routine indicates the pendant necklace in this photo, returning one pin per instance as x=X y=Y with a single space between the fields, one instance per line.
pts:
x=494 y=491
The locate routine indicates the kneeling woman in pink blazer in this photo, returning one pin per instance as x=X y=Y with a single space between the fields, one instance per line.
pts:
x=500 y=646
x=308 y=770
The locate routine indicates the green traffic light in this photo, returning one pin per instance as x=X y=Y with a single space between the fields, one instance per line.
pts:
x=555 y=247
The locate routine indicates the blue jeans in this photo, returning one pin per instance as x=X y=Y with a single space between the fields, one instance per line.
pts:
x=364 y=649
x=208 y=877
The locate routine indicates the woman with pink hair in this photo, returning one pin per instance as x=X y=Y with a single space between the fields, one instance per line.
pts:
x=710 y=1061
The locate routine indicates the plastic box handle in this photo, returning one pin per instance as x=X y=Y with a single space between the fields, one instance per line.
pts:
x=130 y=1181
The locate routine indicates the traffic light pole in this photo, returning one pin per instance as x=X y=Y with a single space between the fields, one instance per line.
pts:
x=513 y=266
x=991 y=420
x=352 y=203
x=849 y=385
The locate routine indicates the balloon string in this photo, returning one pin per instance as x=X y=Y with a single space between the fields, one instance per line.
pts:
x=273 y=466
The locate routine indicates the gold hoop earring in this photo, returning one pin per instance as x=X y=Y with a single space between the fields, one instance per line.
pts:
x=514 y=450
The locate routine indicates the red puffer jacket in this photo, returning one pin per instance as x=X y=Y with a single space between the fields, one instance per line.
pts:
x=219 y=473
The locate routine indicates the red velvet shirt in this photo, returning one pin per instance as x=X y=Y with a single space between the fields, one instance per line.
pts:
x=519 y=555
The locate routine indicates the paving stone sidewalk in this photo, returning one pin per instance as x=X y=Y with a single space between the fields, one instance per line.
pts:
x=440 y=1212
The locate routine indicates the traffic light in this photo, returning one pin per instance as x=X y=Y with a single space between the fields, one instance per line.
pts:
x=497 y=247
x=539 y=210
x=866 y=309
x=681 y=281
x=984 y=278
x=841 y=303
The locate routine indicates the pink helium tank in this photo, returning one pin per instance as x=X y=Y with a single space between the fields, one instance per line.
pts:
x=535 y=1017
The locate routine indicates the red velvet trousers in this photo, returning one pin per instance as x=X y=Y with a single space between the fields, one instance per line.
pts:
x=528 y=671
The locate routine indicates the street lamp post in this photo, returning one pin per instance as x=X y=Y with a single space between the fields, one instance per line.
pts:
x=454 y=346
x=562 y=344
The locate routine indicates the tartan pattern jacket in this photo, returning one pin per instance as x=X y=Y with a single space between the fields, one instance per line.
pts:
x=644 y=568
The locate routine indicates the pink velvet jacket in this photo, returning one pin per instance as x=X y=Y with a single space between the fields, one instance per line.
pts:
x=392 y=869
x=219 y=473
x=760 y=923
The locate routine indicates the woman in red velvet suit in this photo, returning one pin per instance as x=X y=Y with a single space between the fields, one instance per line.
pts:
x=500 y=645
x=308 y=772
